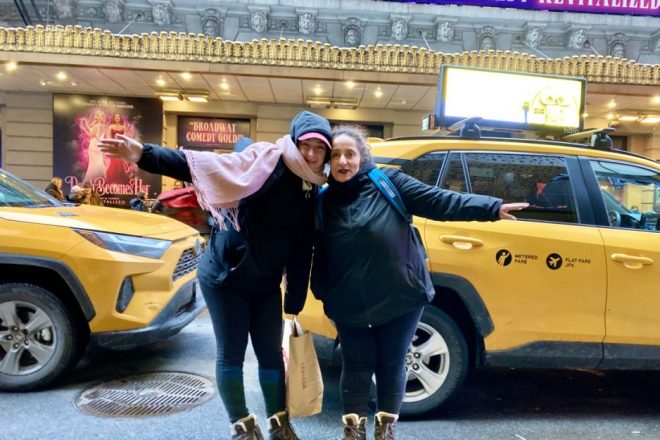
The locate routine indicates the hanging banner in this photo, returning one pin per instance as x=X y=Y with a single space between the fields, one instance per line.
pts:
x=80 y=121
x=633 y=7
x=211 y=133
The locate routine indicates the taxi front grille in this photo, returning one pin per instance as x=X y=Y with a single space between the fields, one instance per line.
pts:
x=187 y=263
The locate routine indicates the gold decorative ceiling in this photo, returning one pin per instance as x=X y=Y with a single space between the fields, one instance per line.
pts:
x=76 y=40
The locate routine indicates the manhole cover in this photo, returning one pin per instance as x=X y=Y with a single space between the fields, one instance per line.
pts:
x=146 y=395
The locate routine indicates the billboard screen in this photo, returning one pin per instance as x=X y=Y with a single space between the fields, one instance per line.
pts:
x=510 y=99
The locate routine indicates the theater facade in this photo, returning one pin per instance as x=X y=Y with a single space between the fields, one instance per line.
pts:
x=201 y=76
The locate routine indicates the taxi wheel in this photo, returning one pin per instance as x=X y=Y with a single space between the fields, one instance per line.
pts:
x=39 y=340
x=436 y=363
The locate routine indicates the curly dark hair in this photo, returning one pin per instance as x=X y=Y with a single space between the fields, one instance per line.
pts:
x=359 y=136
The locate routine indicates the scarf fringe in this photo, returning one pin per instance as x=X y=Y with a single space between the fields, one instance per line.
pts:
x=229 y=214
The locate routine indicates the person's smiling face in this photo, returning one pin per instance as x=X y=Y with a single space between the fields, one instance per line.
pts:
x=313 y=151
x=344 y=158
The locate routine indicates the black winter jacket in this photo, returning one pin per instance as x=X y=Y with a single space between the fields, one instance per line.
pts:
x=367 y=268
x=276 y=225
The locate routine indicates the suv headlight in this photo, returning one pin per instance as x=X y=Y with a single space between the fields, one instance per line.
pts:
x=128 y=244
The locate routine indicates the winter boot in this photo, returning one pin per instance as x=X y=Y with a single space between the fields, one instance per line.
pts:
x=385 y=426
x=355 y=427
x=279 y=427
x=246 y=429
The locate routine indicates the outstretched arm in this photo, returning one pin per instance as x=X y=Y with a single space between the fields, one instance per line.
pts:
x=507 y=207
x=439 y=204
x=123 y=147
x=151 y=158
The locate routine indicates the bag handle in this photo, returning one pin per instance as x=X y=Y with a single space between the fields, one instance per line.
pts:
x=296 y=328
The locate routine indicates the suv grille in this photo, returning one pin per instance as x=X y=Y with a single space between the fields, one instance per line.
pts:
x=187 y=263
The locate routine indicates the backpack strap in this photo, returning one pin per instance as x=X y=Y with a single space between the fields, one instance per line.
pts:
x=387 y=188
x=385 y=185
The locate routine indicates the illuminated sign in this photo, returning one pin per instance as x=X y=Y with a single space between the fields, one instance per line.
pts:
x=211 y=133
x=634 y=7
x=510 y=99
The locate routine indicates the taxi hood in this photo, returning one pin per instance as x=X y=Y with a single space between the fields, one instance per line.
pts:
x=104 y=219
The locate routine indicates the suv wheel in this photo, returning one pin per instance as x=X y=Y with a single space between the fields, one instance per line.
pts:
x=437 y=363
x=38 y=337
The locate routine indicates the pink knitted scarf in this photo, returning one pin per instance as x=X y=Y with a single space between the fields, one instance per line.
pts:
x=222 y=180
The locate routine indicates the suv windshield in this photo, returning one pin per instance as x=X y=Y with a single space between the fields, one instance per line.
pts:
x=18 y=193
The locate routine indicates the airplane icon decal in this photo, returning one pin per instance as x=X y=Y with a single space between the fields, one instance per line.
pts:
x=554 y=261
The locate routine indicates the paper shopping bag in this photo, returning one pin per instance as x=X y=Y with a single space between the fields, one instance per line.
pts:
x=304 y=384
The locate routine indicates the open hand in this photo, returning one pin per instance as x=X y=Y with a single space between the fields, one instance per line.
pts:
x=123 y=147
x=506 y=207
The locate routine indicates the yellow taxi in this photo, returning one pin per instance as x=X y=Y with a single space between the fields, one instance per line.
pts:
x=74 y=274
x=574 y=283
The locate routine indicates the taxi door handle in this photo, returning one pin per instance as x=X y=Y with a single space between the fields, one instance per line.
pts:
x=631 y=261
x=461 y=242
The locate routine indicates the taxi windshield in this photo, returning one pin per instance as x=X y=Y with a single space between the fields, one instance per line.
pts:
x=15 y=192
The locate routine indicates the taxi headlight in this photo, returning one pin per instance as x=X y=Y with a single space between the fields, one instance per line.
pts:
x=128 y=244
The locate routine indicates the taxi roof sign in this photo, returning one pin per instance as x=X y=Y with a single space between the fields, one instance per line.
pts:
x=514 y=100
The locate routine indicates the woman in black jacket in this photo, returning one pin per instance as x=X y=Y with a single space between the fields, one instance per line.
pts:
x=253 y=242
x=372 y=278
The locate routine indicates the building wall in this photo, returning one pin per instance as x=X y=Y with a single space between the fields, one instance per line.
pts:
x=27 y=127
x=647 y=145
x=652 y=146
x=447 y=28
x=27 y=135
x=270 y=121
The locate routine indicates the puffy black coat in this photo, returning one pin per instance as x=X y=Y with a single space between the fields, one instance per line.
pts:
x=276 y=227
x=276 y=232
x=367 y=268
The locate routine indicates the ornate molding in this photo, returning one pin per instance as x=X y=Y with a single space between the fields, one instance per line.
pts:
x=172 y=46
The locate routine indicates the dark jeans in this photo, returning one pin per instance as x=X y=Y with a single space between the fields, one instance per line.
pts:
x=381 y=350
x=235 y=315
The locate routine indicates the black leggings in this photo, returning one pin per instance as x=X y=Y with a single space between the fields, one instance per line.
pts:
x=235 y=315
x=381 y=350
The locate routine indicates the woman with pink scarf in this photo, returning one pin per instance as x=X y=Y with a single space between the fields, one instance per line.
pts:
x=263 y=201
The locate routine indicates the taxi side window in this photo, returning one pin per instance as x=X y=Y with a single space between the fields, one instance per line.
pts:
x=543 y=181
x=631 y=194
x=455 y=178
x=425 y=168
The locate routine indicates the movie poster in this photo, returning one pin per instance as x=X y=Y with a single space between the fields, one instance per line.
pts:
x=80 y=121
